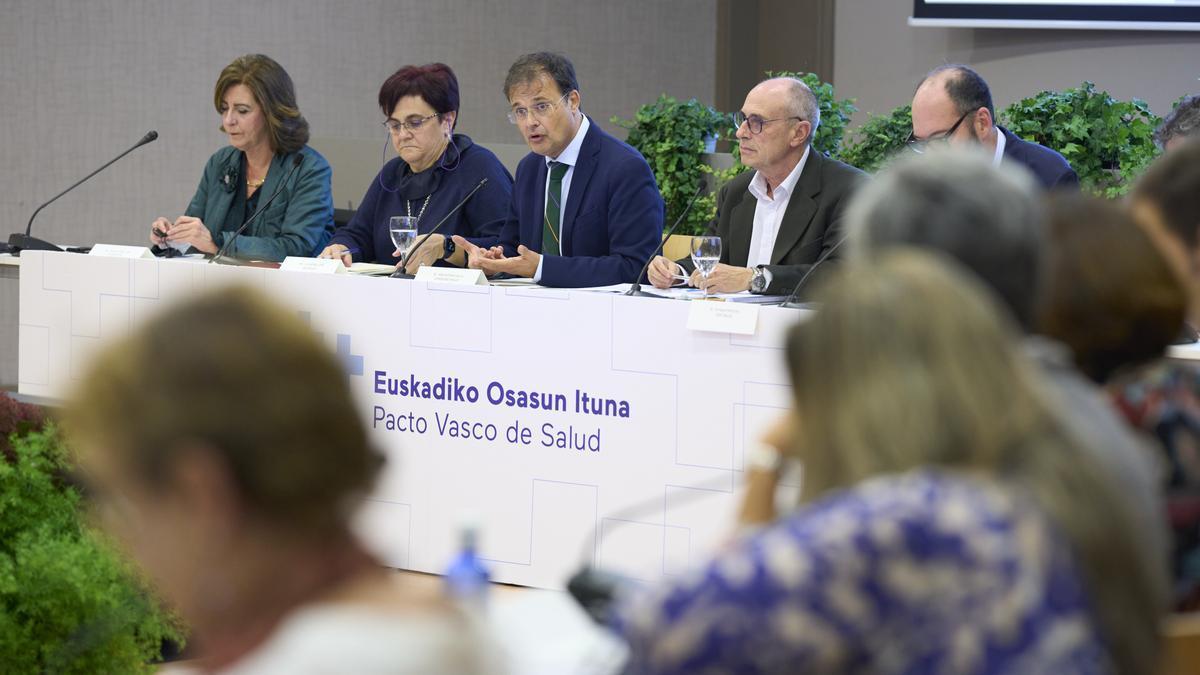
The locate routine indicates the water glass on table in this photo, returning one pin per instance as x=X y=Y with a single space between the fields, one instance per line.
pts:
x=403 y=230
x=706 y=253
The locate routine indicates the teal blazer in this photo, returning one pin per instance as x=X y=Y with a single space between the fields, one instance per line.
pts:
x=299 y=222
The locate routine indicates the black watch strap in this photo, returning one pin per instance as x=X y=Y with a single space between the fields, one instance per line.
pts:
x=448 y=248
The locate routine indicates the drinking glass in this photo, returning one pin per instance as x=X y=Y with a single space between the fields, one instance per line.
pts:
x=404 y=231
x=706 y=253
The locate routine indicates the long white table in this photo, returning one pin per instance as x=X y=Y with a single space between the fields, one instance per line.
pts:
x=643 y=481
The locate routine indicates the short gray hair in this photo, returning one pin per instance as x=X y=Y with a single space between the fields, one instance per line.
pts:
x=802 y=102
x=987 y=218
x=1182 y=122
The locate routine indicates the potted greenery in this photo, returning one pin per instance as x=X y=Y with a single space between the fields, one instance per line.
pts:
x=878 y=139
x=1108 y=142
x=68 y=602
x=672 y=135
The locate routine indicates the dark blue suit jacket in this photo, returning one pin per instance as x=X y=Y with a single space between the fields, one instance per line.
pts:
x=613 y=219
x=1049 y=168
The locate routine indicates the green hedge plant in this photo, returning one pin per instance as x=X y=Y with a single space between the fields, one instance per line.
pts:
x=1108 y=142
x=672 y=135
x=68 y=602
x=878 y=140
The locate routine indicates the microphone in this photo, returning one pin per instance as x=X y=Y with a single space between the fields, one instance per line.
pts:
x=595 y=589
x=636 y=288
x=791 y=302
x=18 y=242
x=299 y=159
x=401 y=273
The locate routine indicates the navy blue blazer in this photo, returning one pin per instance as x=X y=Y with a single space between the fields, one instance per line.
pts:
x=478 y=220
x=1050 y=169
x=613 y=220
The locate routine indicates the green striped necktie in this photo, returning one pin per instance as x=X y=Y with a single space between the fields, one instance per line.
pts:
x=550 y=228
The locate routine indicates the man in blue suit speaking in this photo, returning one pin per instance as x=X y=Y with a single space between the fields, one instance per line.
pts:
x=585 y=210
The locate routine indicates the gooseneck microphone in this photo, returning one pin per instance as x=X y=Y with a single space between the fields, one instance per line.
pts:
x=791 y=302
x=18 y=242
x=636 y=288
x=595 y=589
x=262 y=209
x=401 y=273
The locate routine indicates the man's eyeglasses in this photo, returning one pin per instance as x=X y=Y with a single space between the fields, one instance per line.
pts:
x=412 y=124
x=919 y=146
x=538 y=110
x=755 y=123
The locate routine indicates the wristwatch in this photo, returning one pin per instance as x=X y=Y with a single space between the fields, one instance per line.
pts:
x=758 y=283
x=448 y=248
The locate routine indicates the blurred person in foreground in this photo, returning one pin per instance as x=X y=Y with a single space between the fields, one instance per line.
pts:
x=950 y=522
x=1166 y=203
x=436 y=169
x=267 y=137
x=222 y=449
x=991 y=220
x=1111 y=296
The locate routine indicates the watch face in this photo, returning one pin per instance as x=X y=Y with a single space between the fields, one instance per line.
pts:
x=758 y=282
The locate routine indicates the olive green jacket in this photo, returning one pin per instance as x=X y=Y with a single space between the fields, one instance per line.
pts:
x=298 y=223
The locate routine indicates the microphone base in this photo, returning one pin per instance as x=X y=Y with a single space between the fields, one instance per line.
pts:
x=19 y=241
x=794 y=304
x=399 y=274
x=595 y=591
x=637 y=292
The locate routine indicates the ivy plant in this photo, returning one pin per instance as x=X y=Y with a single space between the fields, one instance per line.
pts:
x=835 y=114
x=671 y=135
x=1108 y=142
x=68 y=602
x=871 y=145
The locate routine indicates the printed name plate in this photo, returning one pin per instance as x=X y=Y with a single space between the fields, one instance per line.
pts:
x=119 y=251
x=723 y=317
x=318 y=265
x=452 y=275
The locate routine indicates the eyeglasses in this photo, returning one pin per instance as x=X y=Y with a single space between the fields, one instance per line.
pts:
x=919 y=146
x=755 y=123
x=412 y=124
x=538 y=110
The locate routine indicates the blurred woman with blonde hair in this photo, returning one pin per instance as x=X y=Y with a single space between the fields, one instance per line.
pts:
x=948 y=523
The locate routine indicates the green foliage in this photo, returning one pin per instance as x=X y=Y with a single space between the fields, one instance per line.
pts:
x=670 y=134
x=1108 y=142
x=835 y=114
x=68 y=602
x=878 y=139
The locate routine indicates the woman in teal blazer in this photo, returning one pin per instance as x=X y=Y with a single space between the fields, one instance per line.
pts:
x=257 y=103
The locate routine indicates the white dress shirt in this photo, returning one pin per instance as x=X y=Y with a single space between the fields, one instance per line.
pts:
x=1001 y=141
x=768 y=213
x=569 y=156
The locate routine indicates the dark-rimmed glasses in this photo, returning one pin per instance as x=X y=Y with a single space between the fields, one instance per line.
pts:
x=919 y=146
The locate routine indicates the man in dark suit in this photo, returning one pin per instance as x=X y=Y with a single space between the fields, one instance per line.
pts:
x=586 y=210
x=953 y=105
x=776 y=221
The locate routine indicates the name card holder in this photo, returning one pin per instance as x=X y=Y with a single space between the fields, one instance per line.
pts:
x=313 y=265
x=723 y=317
x=452 y=275
x=119 y=251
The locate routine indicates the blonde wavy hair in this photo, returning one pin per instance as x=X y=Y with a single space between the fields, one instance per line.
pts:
x=908 y=363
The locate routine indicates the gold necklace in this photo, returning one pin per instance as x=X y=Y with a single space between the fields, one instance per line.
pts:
x=256 y=183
